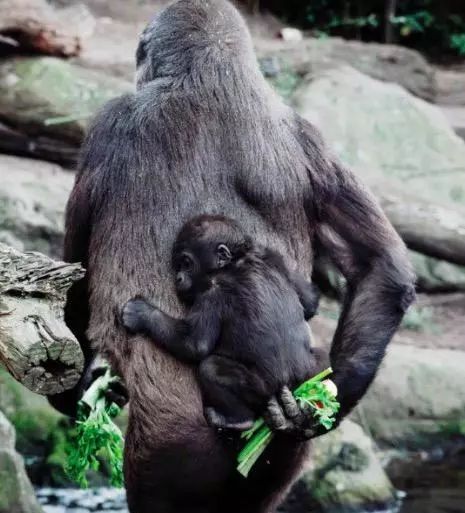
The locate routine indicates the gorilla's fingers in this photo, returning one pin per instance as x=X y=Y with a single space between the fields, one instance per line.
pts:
x=274 y=416
x=291 y=408
x=117 y=394
x=285 y=415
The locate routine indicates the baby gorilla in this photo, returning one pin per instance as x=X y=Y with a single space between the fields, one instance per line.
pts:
x=246 y=323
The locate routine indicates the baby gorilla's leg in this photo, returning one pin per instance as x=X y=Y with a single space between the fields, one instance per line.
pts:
x=232 y=394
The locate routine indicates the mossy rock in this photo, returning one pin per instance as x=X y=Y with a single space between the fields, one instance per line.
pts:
x=16 y=492
x=345 y=475
x=35 y=91
x=38 y=428
x=417 y=399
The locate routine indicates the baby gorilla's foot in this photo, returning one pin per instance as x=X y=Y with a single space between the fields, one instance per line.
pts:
x=135 y=315
x=219 y=421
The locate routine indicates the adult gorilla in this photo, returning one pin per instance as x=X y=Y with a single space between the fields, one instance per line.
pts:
x=204 y=134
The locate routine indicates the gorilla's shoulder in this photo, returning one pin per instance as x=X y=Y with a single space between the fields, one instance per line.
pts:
x=116 y=114
x=111 y=135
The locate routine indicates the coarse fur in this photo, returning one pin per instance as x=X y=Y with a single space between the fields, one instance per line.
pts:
x=246 y=324
x=204 y=133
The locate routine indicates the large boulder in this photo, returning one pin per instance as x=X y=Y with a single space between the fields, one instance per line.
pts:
x=418 y=398
x=50 y=101
x=377 y=127
x=32 y=204
x=388 y=63
x=16 y=492
x=450 y=86
x=388 y=136
x=345 y=475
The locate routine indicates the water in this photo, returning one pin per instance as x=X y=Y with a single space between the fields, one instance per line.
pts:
x=66 y=500
x=434 y=483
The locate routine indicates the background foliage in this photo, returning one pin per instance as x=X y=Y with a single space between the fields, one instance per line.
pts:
x=434 y=26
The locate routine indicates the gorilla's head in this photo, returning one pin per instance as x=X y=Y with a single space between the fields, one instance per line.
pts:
x=190 y=34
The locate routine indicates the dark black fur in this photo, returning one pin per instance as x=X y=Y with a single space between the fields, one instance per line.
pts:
x=246 y=325
x=204 y=133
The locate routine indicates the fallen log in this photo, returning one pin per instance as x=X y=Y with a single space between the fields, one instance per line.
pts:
x=36 y=346
x=34 y=25
x=14 y=142
x=432 y=229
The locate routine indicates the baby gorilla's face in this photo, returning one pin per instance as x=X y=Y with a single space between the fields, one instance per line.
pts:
x=195 y=264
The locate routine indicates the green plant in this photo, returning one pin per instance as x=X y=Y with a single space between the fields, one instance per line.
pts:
x=435 y=27
x=96 y=435
x=316 y=394
x=457 y=42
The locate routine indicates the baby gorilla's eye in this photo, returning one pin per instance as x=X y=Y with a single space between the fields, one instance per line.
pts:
x=185 y=264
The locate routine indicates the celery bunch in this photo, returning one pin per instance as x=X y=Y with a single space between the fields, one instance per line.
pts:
x=315 y=394
x=96 y=434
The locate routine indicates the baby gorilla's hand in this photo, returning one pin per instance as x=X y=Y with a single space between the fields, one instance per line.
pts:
x=135 y=315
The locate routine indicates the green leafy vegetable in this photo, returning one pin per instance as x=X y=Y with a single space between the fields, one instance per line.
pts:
x=96 y=435
x=315 y=394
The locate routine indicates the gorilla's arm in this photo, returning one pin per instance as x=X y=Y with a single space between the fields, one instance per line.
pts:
x=190 y=339
x=352 y=230
x=76 y=309
x=357 y=236
x=104 y=138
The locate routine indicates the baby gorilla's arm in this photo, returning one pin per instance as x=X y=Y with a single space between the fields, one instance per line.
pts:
x=189 y=339
x=308 y=293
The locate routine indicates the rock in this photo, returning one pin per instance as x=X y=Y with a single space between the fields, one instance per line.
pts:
x=380 y=128
x=417 y=398
x=16 y=492
x=388 y=63
x=291 y=35
x=48 y=97
x=345 y=475
x=456 y=117
x=32 y=204
x=39 y=429
x=450 y=86
x=384 y=133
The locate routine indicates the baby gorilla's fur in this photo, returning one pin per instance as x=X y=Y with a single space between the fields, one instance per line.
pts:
x=246 y=324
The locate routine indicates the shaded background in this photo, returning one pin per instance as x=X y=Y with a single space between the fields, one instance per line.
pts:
x=385 y=82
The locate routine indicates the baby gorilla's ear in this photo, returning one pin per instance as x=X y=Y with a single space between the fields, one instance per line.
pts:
x=224 y=255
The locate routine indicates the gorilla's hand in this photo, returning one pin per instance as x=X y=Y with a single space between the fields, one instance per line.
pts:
x=284 y=415
x=116 y=392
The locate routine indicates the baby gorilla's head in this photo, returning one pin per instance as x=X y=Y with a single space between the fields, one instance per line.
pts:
x=205 y=245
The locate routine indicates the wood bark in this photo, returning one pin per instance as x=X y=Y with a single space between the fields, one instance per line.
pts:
x=432 y=229
x=36 y=346
x=15 y=142
x=390 y=12
x=35 y=25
